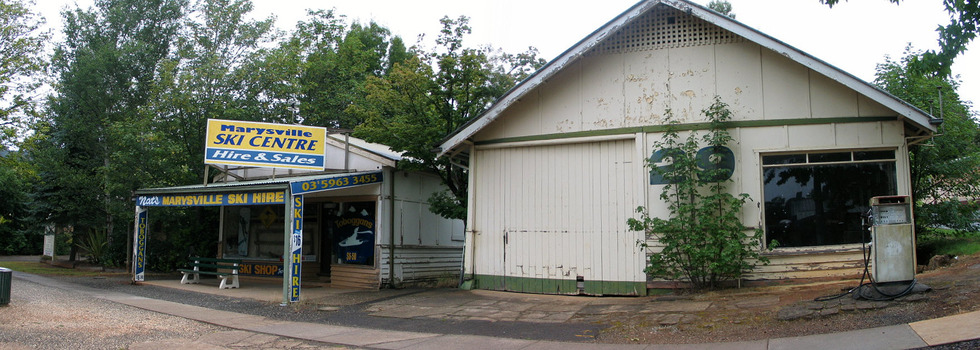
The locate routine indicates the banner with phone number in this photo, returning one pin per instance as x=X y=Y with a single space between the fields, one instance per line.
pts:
x=334 y=182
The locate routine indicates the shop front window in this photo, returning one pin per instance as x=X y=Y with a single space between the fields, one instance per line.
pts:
x=816 y=199
x=256 y=232
x=353 y=229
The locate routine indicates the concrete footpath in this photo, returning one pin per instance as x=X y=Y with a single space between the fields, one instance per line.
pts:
x=939 y=331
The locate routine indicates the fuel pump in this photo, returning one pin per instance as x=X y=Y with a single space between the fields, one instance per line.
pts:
x=892 y=239
x=891 y=257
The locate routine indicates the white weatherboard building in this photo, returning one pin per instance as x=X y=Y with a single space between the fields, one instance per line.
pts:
x=558 y=164
x=365 y=224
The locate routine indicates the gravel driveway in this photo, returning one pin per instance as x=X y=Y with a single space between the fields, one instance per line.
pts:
x=41 y=317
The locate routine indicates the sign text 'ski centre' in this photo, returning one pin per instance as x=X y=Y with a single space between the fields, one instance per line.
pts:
x=232 y=142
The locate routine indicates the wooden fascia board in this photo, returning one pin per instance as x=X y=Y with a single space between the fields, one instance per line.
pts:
x=684 y=127
x=212 y=189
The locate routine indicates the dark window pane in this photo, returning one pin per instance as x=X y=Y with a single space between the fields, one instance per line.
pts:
x=784 y=159
x=830 y=157
x=817 y=205
x=874 y=155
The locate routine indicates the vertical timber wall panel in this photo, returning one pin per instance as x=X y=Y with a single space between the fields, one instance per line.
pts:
x=602 y=92
x=424 y=248
x=831 y=99
x=564 y=211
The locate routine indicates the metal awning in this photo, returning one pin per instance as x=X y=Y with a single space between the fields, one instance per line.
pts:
x=251 y=185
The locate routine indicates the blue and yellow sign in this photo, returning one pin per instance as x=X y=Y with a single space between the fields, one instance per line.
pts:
x=139 y=249
x=333 y=182
x=296 y=250
x=206 y=200
x=268 y=145
x=260 y=269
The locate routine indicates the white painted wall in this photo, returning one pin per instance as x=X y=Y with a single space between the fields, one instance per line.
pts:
x=427 y=247
x=558 y=212
x=556 y=209
x=636 y=89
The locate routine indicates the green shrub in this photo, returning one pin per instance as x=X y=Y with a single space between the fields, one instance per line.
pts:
x=704 y=240
x=933 y=242
x=96 y=245
x=948 y=218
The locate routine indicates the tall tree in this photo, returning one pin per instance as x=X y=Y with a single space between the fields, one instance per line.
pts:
x=953 y=37
x=105 y=71
x=15 y=225
x=216 y=72
x=338 y=61
x=22 y=64
x=424 y=99
x=947 y=167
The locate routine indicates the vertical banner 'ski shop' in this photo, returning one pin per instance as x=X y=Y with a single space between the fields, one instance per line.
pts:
x=296 y=250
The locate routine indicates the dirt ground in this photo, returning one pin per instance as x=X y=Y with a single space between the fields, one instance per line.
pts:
x=753 y=313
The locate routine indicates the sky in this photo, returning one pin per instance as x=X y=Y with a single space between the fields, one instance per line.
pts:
x=853 y=36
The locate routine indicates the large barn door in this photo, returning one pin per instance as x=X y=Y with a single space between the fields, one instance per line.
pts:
x=565 y=209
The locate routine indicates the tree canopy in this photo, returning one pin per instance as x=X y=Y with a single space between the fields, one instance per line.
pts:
x=944 y=169
x=953 y=37
x=105 y=72
x=428 y=96
x=22 y=66
x=338 y=65
x=134 y=82
x=722 y=6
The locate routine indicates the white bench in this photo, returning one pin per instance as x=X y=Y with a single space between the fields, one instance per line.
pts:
x=223 y=268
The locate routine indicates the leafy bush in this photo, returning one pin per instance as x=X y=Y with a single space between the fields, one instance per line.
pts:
x=948 y=218
x=704 y=240
x=938 y=241
x=96 y=245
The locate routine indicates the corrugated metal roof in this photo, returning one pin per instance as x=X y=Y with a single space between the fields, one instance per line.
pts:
x=376 y=148
x=912 y=114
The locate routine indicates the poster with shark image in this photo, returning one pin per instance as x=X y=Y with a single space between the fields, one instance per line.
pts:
x=354 y=233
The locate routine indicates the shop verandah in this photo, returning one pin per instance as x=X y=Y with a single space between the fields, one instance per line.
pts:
x=270 y=227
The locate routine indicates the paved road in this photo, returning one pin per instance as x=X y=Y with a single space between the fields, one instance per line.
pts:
x=92 y=313
x=366 y=310
x=43 y=317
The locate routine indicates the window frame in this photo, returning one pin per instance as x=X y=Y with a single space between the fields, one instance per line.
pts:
x=894 y=160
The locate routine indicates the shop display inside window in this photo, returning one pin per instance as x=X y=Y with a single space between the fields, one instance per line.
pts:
x=257 y=232
x=352 y=227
